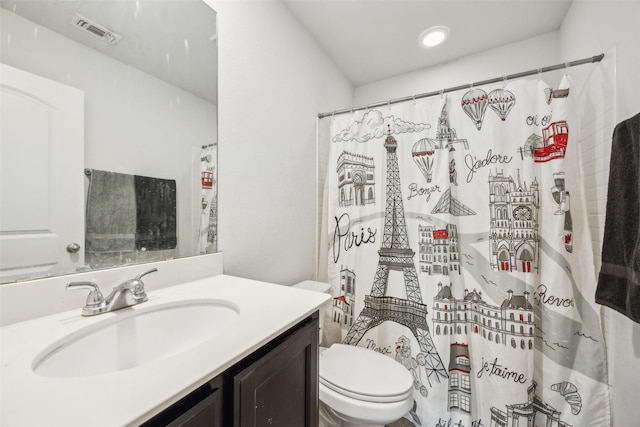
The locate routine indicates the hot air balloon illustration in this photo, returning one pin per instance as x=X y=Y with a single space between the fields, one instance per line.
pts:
x=422 y=153
x=501 y=101
x=474 y=103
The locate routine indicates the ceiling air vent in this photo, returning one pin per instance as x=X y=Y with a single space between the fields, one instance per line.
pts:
x=97 y=30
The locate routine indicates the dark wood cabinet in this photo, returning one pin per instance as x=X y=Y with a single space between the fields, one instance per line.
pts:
x=202 y=407
x=280 y=388
x=277 y=385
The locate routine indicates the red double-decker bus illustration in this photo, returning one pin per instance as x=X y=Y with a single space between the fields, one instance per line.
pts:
x=207 y=180
x=555 y=137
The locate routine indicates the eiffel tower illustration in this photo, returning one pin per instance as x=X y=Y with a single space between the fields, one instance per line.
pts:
x=395 y=254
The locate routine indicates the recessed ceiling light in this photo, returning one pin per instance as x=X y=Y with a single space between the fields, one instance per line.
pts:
x=433 y=36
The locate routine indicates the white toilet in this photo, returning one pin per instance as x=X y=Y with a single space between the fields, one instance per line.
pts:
x=360 y=387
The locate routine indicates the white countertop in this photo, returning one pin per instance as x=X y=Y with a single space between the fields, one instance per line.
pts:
x=130 y=396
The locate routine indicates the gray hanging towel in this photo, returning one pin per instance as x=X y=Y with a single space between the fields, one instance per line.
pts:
x=110 y=214
x=156 y=213
x=619 y=279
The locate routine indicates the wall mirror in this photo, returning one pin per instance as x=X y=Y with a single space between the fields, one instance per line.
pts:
x=95 y=88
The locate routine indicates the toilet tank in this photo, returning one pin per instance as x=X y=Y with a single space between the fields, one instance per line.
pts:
x=322 y=287
x=312 y=285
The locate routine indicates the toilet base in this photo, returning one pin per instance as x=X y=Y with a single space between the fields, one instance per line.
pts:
x=361 y=413
x=329 y=418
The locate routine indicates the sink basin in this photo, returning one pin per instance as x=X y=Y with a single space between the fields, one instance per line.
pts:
x=135 y=337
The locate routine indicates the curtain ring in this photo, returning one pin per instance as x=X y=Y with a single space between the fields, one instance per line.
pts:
x=441 y=93
x=504 y=81
x=539 y=74
x=389 y=104
x=414 y=99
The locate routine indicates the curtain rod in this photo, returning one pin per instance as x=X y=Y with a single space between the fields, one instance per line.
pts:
x=596 y=58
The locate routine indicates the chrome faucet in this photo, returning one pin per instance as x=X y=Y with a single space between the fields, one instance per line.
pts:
x=126 y=294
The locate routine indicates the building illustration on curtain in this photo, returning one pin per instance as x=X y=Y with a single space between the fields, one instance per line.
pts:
x=459 y=378
x=357 y=183
x=513 y=223
x=533 y=412
x=396 y=254
x=342 y=309
x=439 y=251
x=511 y=323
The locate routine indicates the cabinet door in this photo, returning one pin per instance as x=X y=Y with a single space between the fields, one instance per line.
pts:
x=206 y=413
x=281 y=388
x=200 y=408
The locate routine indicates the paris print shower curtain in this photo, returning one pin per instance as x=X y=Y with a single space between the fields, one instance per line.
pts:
x=458 y=245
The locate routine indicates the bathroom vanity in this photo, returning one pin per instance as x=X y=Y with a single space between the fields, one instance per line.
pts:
x=275 y=385
x=219 y=351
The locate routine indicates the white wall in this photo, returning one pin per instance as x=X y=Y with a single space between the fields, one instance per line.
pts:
x=273 y=82
x=49 y=295
x=134 y=123
x=592 y=26
x=528 y=54
x=597 y=26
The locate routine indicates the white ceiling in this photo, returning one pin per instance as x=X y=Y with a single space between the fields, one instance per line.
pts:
x=371 y=40
x=173 y=40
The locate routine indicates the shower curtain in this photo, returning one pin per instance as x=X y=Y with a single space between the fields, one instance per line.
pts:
x=458 y=245
x=208 y=233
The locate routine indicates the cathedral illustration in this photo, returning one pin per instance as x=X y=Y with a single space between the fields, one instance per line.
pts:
x=513 y=232
x=510 y=323
x=356 y=179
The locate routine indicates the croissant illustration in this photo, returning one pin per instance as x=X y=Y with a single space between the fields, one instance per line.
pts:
x=571 y=395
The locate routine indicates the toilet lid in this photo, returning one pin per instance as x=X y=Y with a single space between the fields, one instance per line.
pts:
x=364 y=374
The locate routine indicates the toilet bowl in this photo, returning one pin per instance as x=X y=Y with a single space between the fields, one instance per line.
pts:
x=358 y=386
x=363 y=387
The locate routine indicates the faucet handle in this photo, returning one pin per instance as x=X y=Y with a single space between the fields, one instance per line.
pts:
x=139 y=276
x=136 y=285
x=95 y=300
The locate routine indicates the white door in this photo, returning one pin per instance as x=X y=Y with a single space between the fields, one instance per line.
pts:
x=41 y=176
